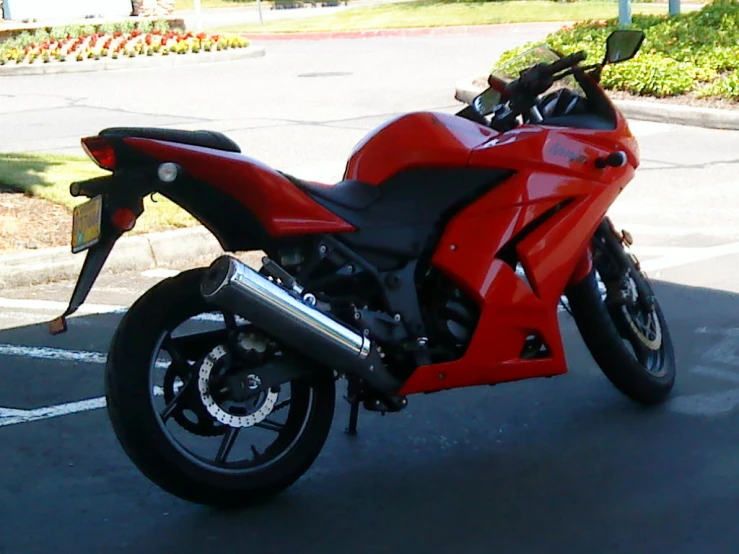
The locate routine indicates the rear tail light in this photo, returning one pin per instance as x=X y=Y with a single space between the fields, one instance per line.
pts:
x=123 y=219
x=101 y=151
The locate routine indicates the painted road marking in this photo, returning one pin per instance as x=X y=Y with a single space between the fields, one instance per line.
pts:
x=639 y=229
x=10 y=416
x=59 y=354
x=57 y=306
x=54 y=306
x=724 y=353
x=14 y=417
x=46 y=353
x=716 y=373
x=709 y=404
x=696 y=255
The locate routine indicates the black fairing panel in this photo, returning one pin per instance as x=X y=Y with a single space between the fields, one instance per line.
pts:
x=411 y=207
x=235 y=228
x=355 y=195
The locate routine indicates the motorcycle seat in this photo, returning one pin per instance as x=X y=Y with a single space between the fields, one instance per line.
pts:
x=206 y=139
x=355 y=195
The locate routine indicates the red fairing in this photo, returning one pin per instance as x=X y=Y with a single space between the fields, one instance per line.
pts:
x=281 y=207
x=413 y=140
x=558 y=191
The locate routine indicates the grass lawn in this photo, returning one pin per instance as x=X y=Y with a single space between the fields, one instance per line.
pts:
x=190 y=4
x=49 y=176
x=427 y=13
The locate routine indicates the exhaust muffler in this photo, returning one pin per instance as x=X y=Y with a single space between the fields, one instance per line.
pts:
x=234 y=286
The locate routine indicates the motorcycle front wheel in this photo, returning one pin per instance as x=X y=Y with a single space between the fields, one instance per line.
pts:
x=622 y=323
x=185 y=397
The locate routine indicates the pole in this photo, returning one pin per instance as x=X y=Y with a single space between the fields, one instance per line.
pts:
x=674 y=7
x=198 y=16
x=259 y=9
x=624 y=12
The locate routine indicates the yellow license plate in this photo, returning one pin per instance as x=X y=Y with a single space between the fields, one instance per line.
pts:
x=86 y=220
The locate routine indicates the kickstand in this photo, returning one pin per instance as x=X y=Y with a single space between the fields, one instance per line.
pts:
x=353 y=396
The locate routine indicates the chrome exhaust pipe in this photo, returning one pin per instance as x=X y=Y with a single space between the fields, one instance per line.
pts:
x=234 y=286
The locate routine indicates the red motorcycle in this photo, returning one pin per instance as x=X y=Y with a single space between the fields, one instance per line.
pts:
x=438 y=262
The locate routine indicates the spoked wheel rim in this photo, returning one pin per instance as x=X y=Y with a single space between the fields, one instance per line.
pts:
x=205 y=408
x=640 y=330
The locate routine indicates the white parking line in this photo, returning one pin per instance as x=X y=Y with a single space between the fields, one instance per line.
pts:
x=14 y=417
x=690 y=256
x=60 y=354
x=709 y=404
x=10 y=416
x=716 y=373
x=639 y=229
x=45 y=353
x=57 y=306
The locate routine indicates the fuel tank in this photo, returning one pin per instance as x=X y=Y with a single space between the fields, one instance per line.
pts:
x=418 y=139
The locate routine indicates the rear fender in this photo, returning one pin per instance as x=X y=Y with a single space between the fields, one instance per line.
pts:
x=122 y=203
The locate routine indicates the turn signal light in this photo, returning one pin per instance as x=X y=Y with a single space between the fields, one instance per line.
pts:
x=100 y=151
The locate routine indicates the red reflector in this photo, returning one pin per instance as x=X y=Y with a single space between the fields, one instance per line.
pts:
x=100 y=151
x=123 y=219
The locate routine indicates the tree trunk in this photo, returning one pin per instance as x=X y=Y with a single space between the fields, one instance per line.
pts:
x=153 y=8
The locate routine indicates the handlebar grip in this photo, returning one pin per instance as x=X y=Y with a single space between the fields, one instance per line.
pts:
x=566 y=62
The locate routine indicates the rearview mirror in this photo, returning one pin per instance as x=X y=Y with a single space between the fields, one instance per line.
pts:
x=623 y=45
x=486 y=101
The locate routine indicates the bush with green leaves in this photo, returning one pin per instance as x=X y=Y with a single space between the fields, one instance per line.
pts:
x=692 y=53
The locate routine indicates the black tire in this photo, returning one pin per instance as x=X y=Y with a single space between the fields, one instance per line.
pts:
x=604 y=338
x=143 y=435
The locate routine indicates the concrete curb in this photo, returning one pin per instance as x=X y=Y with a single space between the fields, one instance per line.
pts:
x=139 y=62
x=138 y=253
x=645 y=111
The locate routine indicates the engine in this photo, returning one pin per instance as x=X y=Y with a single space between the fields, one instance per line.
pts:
x=451 y=317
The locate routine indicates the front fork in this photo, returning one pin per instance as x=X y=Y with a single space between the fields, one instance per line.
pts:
x=611 y=243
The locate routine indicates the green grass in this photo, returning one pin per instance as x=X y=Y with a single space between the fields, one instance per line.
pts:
x=190 y=4
x=427 y=13
x=49 y=176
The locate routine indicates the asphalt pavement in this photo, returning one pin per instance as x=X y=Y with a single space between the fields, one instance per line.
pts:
x=555 y=465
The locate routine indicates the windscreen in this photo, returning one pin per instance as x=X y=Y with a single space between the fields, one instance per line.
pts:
x=486 y=102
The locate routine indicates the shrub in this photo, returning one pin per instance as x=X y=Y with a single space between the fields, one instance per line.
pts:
x=725 y=87
x=654 y=75
x=680 y=54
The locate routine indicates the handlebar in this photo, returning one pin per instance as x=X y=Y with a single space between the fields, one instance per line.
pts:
x=539 y=78
x=522 y=92
x=567 y=62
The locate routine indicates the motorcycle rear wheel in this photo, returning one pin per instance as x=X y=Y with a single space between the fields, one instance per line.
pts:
x=631 y=345
x=150 y=435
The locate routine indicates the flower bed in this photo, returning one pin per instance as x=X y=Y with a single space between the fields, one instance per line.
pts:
x=111 y=42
